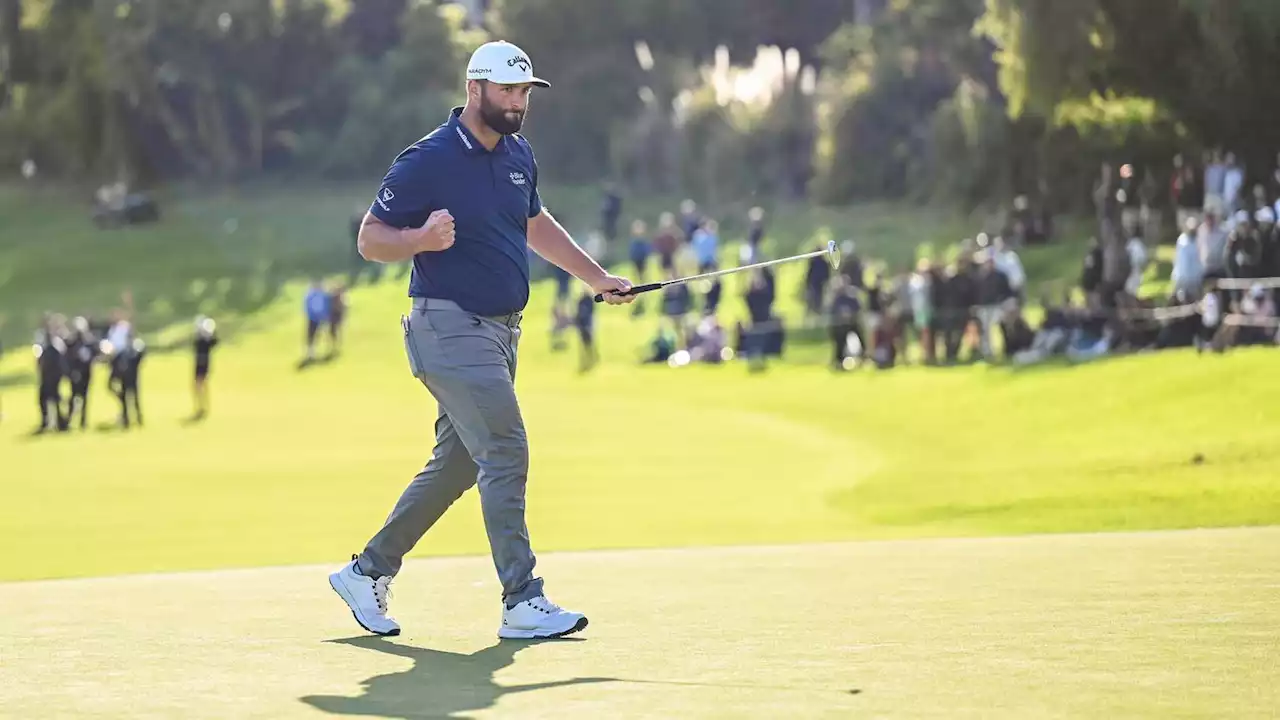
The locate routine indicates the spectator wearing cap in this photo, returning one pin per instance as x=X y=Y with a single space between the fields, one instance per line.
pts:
x=1244 y=250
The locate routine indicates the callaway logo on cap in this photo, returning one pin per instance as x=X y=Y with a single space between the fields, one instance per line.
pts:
x=503 y=63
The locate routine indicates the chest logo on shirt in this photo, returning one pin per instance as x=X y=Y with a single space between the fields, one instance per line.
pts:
x=517 y=178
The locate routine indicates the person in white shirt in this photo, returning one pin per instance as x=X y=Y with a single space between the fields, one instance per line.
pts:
x=1188 y=270
x=1211 y=239
x=1232 y=184
x=1008 y=262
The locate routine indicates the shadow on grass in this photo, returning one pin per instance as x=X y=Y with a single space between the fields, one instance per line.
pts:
x=439 y=685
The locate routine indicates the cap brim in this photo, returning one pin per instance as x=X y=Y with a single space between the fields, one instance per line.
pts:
x=531 y=81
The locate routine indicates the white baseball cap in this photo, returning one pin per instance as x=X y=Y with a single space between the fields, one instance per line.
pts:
x=503 y=63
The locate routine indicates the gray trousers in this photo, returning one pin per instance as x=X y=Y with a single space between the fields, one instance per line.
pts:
x=468 y=362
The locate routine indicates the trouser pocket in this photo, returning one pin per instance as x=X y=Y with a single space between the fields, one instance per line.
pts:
x=411 y=349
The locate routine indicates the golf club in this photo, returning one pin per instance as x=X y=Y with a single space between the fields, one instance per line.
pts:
x=831 y=252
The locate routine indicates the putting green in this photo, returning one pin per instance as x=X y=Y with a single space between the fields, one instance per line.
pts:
x=1167 y=624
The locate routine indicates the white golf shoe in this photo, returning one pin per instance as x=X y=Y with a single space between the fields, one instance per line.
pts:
x=366 y=597
x=539 y=618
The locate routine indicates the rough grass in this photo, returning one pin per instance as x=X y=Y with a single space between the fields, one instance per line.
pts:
x=300 y=466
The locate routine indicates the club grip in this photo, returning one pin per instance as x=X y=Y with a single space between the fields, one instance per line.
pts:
x=635 y=290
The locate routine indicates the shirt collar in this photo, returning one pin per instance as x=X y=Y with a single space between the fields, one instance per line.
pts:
x=470 y=145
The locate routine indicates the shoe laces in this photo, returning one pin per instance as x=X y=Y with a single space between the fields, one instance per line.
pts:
x=382 y=591
x=541 y=603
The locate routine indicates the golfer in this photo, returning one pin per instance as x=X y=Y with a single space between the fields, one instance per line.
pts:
x=463 y=204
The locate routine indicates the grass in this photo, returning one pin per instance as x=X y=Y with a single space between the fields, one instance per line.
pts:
x=656 y=470
x=1131 y=625
x=300 y=466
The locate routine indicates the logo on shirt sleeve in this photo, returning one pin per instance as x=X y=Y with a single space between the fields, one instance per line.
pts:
x=517 y=178
x=384 y=197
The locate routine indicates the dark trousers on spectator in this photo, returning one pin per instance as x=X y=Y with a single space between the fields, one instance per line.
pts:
x=953 y=330
x=51 y=406
x=840 y=341
x=126 y=390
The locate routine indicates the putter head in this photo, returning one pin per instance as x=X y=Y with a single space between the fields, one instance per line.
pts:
x=833 y=255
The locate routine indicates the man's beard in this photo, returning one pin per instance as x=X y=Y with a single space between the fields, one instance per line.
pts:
x=498 y=120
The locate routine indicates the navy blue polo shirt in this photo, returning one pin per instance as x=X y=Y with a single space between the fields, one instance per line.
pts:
x=491 y=196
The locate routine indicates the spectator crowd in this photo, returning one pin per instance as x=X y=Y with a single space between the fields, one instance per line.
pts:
x=1223 y=286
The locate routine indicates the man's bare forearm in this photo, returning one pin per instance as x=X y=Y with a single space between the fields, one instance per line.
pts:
x=381 y=243
x=550 y=240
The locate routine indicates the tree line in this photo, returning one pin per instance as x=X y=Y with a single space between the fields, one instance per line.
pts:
x=970 y=101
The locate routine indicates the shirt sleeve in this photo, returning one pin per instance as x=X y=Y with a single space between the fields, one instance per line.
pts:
x=405 y=199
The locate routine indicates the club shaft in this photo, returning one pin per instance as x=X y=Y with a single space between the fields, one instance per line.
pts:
x=829 y=252
x=744 y=268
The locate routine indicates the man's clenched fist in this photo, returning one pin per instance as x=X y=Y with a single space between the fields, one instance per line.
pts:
x=436 y=233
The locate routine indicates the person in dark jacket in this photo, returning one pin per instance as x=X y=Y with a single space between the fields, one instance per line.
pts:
x=759 y=297
x=711 y=301
x=844 y=309
x=1091 y=273
x=851 y=265
x=1017 y=333
x=676 y=303
x=82 y=351
x=1244 y=254
x=126 y=364
x=958 y=294
x=992 y=290
x=206 y=339
x=51 y=367
x=816 y=277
